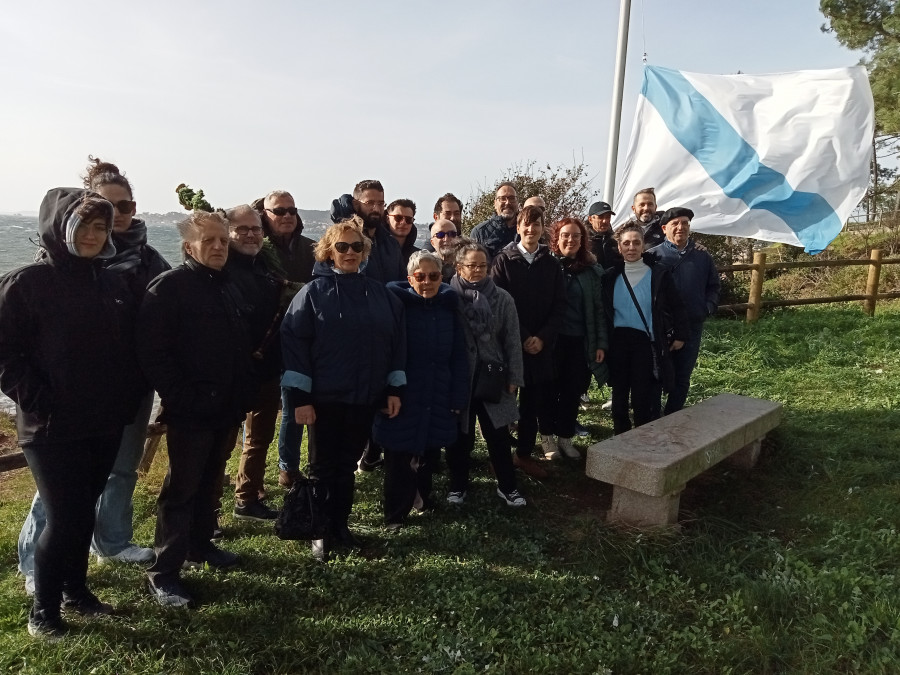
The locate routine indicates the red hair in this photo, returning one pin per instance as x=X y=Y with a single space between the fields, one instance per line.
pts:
x=583 y=257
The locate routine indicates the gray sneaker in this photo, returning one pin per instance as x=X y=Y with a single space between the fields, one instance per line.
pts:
x=457 y=498
x=131 y=554
x=169 y=593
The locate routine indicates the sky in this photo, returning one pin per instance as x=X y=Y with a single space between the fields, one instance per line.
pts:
x=240 y=98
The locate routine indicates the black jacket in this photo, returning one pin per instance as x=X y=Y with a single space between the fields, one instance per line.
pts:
x=385 y=262
x=605 y=247
x=137 y=261
x=194 y=348
x=67 y=339
x=539 y=291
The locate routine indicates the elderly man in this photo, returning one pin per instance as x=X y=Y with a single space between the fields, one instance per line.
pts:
x=644 y=213
x=603 y=244
x=401 y=216
x=193 y=347
x=385 y=262
x=261 y=292
x=500 y=229
x=698 y=284
x=443 y=240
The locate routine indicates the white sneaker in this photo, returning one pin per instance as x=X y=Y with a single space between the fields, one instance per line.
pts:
x=29 y=585
x=569 y=450
x=549 y=445
x=131 y=554
x=607 y=405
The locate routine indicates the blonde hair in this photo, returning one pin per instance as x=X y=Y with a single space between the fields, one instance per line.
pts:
x=333 y=234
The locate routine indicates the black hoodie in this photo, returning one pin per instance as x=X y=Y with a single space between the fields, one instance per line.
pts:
x=67 y=338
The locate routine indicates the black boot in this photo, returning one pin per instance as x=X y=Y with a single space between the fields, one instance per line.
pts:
x=346 y=539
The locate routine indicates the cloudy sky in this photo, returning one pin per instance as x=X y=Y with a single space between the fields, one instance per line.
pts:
x=239 y=98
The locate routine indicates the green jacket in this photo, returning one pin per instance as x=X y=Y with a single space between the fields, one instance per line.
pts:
x=596 y=336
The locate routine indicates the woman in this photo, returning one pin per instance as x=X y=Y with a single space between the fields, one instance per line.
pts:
x=491 y=327
x=67 y=360
x=642 y=309
x=437 y=375
x=533 y=277
x=344 y=345
x=582 y=341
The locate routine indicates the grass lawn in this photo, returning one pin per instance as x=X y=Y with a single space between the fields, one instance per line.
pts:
x=792 y=568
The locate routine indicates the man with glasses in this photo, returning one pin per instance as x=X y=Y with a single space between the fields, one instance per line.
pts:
x=443 y=239
x=401 y=215
x=447 y=207
x=500 y=229
x=385 y=262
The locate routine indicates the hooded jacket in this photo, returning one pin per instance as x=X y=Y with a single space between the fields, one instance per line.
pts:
x=385 y=262
x=437 y=374
x=343 y=340
x=67 y=337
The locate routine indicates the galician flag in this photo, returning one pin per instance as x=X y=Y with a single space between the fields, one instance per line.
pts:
x=782 y=157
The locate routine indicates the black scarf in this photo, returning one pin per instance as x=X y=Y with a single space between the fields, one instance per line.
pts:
x=476 y=303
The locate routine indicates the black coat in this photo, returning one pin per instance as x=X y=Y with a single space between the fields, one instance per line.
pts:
x=605 y=248
x=194 y=348
x=135 y=260
x=539 y=291
x=67 y=339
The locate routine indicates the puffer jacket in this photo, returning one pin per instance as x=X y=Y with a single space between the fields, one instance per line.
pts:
x=194 y=347
x=343 y=340
x=437 y=374
x=67 y=338
x=494 y=234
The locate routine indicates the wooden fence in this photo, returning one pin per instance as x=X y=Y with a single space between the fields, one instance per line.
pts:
x=758 y=274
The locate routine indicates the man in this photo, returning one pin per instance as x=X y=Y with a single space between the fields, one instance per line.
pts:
x=385 y=262
x=500 y=229
x=443 y=240
x=698 y=284
x=193 y=347
x=293 y=260
x=401 y=216
x=261 y=292
x=645 y=214
x=603 y=244
x=449 y=207
x=536 y=201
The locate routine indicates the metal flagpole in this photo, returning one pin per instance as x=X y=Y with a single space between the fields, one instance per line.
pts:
x=616 y=117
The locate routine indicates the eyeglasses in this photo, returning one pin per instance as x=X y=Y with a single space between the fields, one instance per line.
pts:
x=402 y=219
x=373 y=203
x=343 y=246
x=244 y=230
x=125 y=206
x=421 y=276
x=474 y=266
x=573 y=237
x=283 y=211
x=441 y=235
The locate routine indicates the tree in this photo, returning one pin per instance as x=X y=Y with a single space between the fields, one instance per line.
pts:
x=565 y=190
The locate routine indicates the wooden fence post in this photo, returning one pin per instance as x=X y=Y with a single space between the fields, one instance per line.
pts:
x=757 y=276
x=872 y=283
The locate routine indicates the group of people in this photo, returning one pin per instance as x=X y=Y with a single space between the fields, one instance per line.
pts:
x=386 y=353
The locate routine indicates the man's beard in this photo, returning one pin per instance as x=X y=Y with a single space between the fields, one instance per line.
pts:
x=372 y=220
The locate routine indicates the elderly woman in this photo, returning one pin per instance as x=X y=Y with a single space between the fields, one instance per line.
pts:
x=646 y=320
x=344 y=345
x=67 y=360
x=491 y=326
x=437 y=374
x=581 y=345
x=533 y=277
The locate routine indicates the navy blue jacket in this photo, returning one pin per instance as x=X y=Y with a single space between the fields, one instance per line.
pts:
x=695 y=277
x=385 y=262
x=437 y=374
x=343 y=340
x=494 y=235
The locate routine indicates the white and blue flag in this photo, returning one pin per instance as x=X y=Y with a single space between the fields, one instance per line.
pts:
x=783 y=157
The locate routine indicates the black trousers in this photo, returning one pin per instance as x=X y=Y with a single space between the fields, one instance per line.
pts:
x=407 y=482
x=339 y=436
x=459 y=453
x=70 y=477
x=573 y=379
x=536 y=411
x=631 y=377
x=189 y=499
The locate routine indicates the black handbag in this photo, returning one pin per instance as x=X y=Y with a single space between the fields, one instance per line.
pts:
x=303 y=516
x=490 y=381
x=663 y=368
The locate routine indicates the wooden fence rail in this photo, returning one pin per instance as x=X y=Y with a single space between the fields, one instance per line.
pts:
x=758 y=274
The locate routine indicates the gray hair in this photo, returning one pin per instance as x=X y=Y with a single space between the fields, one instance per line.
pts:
x=465 y=245
x=274 y=194
x=417 y=258
x=242 y=210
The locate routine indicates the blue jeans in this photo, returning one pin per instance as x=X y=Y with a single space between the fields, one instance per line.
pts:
x=290 y=436
x=684 y=360
x=113 y=529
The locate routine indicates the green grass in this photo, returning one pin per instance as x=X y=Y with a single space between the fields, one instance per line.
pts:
x=790 y=568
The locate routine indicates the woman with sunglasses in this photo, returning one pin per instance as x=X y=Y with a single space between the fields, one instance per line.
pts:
x=491 y=328
x=437 y=374
x=344 y=345
x=137 y=263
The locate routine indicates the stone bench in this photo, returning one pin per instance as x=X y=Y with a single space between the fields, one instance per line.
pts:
x=650 y=465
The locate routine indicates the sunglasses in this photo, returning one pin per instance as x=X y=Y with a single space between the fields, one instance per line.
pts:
x=449 y=235
x=124 y=206
x=283 y=211
x=421 y=276
x=343 y=246
x=402 y=219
